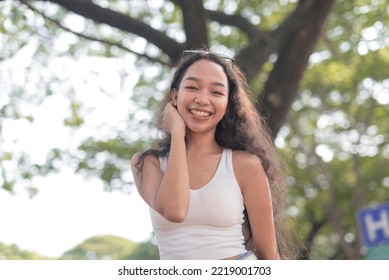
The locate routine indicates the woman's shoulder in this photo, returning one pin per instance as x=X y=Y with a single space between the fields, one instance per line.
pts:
x=147 y=159
x=246 y=164
x=247 y=168
x=245 y=159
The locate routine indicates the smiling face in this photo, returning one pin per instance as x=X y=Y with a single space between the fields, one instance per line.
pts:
x=202 y=96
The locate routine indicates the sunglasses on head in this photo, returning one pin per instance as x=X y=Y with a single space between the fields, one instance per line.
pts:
x=186 y=52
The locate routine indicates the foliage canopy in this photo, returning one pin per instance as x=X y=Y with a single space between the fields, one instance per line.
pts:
x=319 y=68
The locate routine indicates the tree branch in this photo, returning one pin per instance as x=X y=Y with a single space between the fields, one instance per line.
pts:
x=90 y=38
x=238 y=21
x=294 y=41
x=261 y=43
x=296 y=47
x=194 y=22
x=123 y=22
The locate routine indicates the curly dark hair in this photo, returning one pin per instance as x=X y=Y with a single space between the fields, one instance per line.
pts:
x=241 y=128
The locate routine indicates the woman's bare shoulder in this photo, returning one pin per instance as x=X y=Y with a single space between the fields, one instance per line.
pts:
x=145 y=174
x=135 y=159
x=244 y=159
x=137 y=166
x=247 y=168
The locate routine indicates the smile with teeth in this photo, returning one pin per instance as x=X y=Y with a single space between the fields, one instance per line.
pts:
x=200 y=114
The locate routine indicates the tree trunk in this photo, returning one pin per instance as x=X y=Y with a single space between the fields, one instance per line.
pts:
x=282 y=85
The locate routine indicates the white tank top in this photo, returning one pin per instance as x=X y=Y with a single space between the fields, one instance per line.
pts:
x=213 y=226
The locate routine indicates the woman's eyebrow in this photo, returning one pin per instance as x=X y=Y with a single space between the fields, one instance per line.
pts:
x=198 y=80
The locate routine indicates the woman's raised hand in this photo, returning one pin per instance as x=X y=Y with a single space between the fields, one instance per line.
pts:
x=172 y=120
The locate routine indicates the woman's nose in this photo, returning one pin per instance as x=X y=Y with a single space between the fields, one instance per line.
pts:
x=202 y=97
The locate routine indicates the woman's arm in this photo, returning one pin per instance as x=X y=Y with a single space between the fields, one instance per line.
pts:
x=258 y=202
x=167 y=193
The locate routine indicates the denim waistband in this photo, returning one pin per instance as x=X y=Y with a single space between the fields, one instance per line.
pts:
x=249 y=255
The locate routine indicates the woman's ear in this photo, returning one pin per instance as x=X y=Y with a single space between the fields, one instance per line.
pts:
x=174 y=97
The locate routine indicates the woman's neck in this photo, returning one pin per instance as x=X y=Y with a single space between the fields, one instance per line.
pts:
x=201 y=143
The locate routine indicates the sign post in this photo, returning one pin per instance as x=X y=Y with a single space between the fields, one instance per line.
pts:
x=374 y=227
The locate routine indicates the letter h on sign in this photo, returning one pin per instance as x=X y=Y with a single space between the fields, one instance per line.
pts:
x=374 y=225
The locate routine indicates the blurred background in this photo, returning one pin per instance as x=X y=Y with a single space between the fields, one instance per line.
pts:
x=79 y=82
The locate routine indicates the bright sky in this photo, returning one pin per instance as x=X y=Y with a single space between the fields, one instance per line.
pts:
x=68 y=209
x=66 y=212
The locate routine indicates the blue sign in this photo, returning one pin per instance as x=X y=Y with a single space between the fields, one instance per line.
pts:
x=374 y=225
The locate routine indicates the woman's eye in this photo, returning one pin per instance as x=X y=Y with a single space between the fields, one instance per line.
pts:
x=191 y=88
x=217 y=93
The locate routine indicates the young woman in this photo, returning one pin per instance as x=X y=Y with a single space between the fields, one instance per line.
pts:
x=214 y=168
